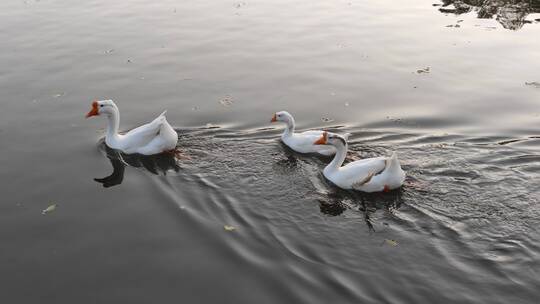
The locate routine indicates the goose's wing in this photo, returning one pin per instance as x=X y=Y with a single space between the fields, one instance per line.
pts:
x=166 y=140
x=320 y=133
x=144 y=134
x=305 y=143
x=312 y=132
x=307 y=138
x=362 y=171
x=391 y=177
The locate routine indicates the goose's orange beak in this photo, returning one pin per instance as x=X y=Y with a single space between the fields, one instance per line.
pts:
x=94 y=111
x=322 y=140
x=274 y=118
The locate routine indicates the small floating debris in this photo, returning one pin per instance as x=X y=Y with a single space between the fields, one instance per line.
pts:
x=226 y=101
x=439 y=146
x=59 y=95
x=195 y=108
x=534 y=84
x=424 y=70
x=327 y=119
x=49 y=209
x=109 y=51
x=229 y=228
x=393 y=243
x=347 y=104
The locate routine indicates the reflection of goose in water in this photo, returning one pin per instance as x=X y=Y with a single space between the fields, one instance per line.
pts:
x=511 y=14
x=335 y=201
x=156 y=164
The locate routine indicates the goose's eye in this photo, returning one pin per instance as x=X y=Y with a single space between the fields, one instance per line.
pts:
x=101 y=106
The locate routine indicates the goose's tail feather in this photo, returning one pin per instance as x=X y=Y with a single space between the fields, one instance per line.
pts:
x=392 y=162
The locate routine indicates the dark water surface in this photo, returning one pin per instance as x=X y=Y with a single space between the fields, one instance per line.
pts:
x=455 y=92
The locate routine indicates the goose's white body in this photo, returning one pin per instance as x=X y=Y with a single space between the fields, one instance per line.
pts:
x=367 y=175
x=152 y=138
x=302 y=142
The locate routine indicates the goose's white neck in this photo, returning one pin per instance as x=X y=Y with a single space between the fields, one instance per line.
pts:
x=113 y=124
x=289 y=130
x=339 y=158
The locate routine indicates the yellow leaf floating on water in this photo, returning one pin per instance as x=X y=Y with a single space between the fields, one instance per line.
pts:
x=51 y=208
x=391 y=242
x=229 y=228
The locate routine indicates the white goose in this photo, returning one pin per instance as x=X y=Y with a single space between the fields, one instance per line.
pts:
x=367 y=175
x=302 y=142
x=152 y=138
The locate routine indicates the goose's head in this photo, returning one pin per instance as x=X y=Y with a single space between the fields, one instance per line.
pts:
x=106 y=107
x=283 y=116
x=333 y=139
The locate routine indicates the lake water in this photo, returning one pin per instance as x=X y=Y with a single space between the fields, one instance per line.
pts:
x=452 y=86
